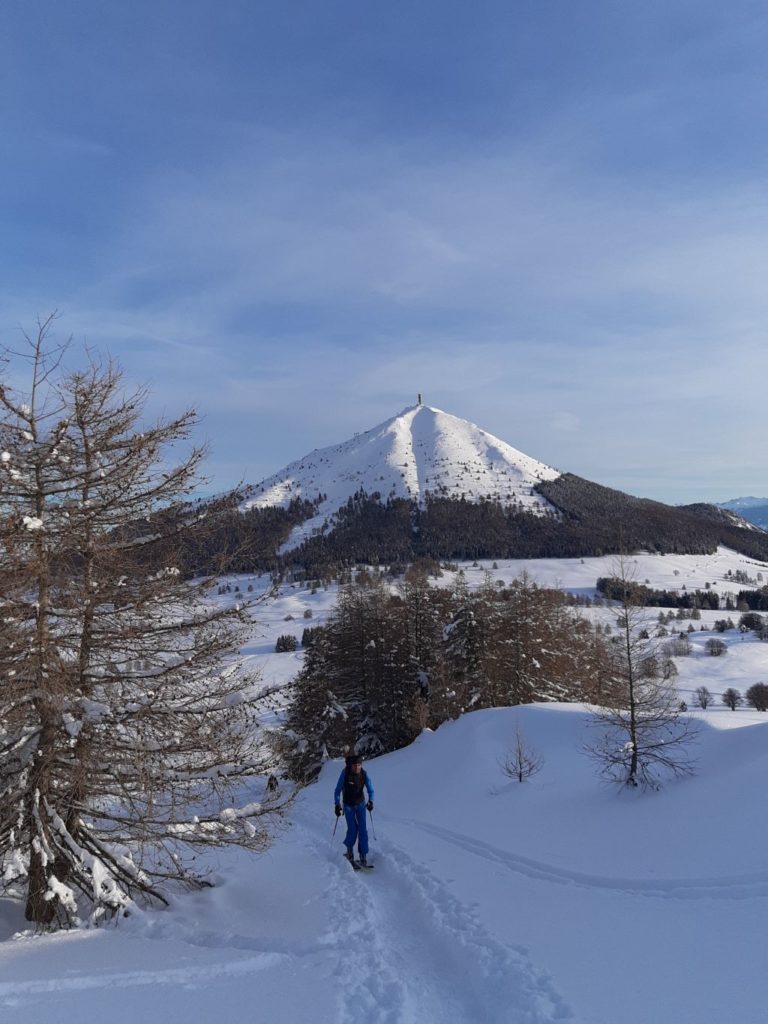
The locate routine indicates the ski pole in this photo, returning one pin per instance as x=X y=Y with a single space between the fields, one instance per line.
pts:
x=373 y=827
x=335 y=826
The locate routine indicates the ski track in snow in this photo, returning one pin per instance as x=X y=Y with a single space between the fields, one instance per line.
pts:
x=148 y=926
x=231 y=940
x=433 y=963
x=735 y=887
x=197 y=976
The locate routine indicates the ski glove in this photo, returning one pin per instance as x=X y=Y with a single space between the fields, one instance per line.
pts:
x=338 y=810
x=369 y=805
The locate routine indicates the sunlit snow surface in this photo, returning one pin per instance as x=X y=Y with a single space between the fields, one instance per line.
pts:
x=422 y=451
x=557 y=900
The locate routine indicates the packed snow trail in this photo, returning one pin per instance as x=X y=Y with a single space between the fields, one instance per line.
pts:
x=411 y=953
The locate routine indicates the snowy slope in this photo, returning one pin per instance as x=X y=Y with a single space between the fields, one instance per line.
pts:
x=490 y=903
x=421 y=451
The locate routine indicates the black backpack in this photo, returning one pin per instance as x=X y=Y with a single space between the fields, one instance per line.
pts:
x=354 y=785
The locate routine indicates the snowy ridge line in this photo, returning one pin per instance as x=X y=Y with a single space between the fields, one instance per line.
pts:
x=412 y=968
x=195 y=977
x=737 y=887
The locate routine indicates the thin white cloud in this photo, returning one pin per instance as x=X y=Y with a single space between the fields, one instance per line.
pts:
x=503 y=285
x=69 y=143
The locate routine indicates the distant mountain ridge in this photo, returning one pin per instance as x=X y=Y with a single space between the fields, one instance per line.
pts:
x=754 y=510
x=427 y=485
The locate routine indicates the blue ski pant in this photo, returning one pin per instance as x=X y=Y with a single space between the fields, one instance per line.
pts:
x=357 y=828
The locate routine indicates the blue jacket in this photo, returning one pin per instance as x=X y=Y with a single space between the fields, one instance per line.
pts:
x=340 y=785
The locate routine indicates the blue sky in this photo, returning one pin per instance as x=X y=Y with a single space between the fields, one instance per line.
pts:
x=550 y=218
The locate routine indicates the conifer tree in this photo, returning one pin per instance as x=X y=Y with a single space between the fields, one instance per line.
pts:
x=463 y=652
x=386 y=665
x=357 y=688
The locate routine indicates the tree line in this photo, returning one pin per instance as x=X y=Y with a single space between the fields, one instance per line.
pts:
x=650 y=597
x=586 y=520
x=388 y=664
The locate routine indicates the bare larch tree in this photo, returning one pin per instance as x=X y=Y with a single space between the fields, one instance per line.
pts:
x=128 y=732
x=643 y=735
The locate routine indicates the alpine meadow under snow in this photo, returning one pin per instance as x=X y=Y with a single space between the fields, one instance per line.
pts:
x=558 y=899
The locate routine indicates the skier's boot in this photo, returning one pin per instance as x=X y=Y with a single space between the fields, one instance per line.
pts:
x=349 y=855
x=363 y=861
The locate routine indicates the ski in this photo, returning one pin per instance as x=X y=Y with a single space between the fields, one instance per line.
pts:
x=356 y=865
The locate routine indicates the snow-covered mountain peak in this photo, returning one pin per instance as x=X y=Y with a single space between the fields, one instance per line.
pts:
x=422 y=451
x=746 y=502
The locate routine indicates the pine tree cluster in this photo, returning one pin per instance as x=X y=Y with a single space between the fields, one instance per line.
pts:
x=648 y=597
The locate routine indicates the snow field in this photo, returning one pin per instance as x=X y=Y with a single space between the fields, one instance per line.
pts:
x=555 y=900
x=661 y=572
x=491 y=903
